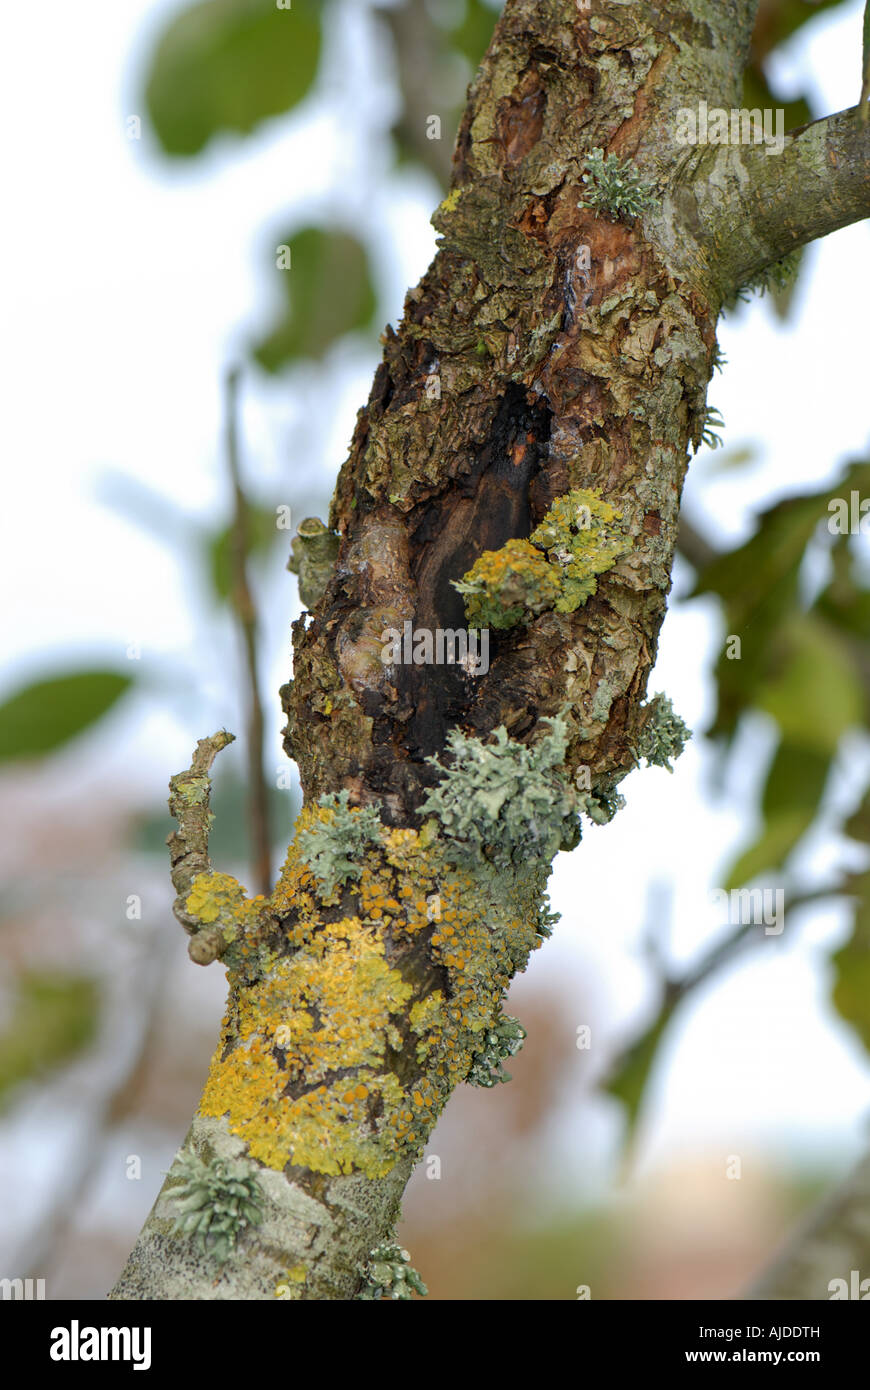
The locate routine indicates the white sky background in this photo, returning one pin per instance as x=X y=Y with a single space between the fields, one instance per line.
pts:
x=127 y=283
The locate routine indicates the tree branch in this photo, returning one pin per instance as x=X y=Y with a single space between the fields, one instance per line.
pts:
x=246 y=617
x=754 y=206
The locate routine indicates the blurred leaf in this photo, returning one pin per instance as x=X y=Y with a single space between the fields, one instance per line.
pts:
x=851 y=987
x=54 y=1017
x=472 y=36
x=630 y=1075
x=813 y=691
x=43 y=716
x=730 y=460
x=329 y=293
x=757 y=95
x=865 y=55
x=777 y=20
x=779 y=837
x=262 y=532
x=792 y=793
x=796 y=781
x=229 y=65
x=758 y=583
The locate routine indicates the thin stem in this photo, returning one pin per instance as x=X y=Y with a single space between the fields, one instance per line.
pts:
x=246 y=615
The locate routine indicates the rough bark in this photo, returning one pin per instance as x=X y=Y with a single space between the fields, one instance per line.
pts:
x=353 y=1013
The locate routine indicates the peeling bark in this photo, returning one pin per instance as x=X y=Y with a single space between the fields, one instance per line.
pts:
x=556 y=369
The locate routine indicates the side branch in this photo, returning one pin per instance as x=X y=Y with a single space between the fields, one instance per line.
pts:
x=189 y=794
x=755 y=205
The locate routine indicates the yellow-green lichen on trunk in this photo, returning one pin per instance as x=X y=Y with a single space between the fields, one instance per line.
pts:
x=341 y=1057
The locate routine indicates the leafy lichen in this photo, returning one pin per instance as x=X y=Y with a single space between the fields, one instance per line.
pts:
x=503 y=587
x=313 y=554
x=663 y=736
x=504 y=1039
x=504 y=800
x=600 y=804
x=615 y=187
x=306 y=1069
x=332 y=847
x=388 y=1273
x=580 y=533
x=557 y=567
x=216 y=1202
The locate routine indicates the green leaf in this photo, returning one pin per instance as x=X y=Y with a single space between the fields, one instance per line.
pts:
x=851 y=985
x=758 y=584
x=814 y=691
x=53 y=1018
x=865 y=57
x=779 y=837
x=262 y=532
x=329 y=292
x=471 y=37
x=792 y=793
x=229 y=65
x=41 y=717
x=758 y=95
x=630 y=1076
x=857 y=827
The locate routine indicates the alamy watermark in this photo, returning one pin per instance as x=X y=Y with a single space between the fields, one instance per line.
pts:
x=855 y=1287
x=716 y=126
x=753 y=907
x=849 y=516
x=421 y=646
x=22 y=1289
x=76 y=1343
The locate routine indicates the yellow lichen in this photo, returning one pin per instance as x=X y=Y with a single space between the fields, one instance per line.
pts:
x=307 y=1071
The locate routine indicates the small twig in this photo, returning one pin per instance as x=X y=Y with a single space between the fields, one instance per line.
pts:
x=188 y=803
x=419 y=60
x=246 y=614
x=694 y=546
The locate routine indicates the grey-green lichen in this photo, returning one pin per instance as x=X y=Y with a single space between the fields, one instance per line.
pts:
x=313 y=553
x=388 y=1273
x=215 y=1203
x=778 y=276
x=333 y=847
x=580 y=537
x=503 y=800
x=600 y=805
x=712 y=423
x=615 y=187
x=663 y=735
x=502 y=1040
